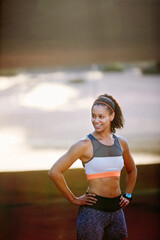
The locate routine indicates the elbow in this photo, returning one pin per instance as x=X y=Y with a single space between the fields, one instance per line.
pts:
x=53 y=174
x=50 y=173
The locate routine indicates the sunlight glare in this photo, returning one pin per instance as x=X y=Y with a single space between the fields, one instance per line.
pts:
x=48 y=96
x=94 y=75
x=8 y=82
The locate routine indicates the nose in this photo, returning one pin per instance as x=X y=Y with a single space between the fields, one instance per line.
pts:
x=96 y=120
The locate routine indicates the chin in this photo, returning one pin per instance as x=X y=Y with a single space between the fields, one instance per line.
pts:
x=98 y=130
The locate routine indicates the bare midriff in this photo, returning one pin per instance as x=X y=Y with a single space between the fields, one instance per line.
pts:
x=105 y=187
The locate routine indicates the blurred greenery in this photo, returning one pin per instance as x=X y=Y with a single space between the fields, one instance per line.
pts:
x=146 y=67
x=153 y=68
x=77 y=81
x=112 y=67
x=9 y=72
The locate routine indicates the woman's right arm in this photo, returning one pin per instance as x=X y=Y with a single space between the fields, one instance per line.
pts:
x=57 y=170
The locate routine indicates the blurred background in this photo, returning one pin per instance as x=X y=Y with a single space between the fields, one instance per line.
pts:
x=56 y=58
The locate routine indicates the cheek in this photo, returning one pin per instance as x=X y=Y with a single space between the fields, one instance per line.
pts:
x=107 y=120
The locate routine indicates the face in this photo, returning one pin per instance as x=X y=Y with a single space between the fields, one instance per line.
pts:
x=101 y=118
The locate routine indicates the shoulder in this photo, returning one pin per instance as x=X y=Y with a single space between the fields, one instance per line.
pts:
x=81 y=145
x=123 y=142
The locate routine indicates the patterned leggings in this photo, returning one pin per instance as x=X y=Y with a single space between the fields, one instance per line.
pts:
x=94 y=224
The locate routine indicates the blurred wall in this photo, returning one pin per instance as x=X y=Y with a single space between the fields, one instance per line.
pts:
x=50 y=33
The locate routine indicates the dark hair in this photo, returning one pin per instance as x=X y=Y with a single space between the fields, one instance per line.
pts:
x=118 y=120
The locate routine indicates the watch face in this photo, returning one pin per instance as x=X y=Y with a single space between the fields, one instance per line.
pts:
x=128 y=195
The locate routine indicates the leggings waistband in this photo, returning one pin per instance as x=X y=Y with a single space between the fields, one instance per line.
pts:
x=106 y=204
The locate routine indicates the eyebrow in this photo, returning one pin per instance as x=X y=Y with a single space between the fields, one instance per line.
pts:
x=98 y=114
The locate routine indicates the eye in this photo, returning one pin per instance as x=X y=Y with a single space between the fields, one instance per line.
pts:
x=101 y=116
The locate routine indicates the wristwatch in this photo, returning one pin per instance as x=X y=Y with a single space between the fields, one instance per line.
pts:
x=128 y=196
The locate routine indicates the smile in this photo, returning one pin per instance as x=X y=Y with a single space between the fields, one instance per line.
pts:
x=97 y=126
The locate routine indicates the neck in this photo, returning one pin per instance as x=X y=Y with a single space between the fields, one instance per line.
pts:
x=104 y=134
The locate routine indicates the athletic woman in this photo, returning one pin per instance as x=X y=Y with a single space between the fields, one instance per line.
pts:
x=103 y=155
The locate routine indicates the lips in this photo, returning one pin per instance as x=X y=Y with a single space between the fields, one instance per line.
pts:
x=97 y=126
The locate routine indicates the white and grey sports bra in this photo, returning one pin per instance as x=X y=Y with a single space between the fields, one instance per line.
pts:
x=107 y=161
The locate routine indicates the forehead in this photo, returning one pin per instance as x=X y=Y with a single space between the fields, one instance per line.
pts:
x=99 y=109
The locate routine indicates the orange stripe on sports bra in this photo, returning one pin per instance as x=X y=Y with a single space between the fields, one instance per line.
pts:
x=103 y=174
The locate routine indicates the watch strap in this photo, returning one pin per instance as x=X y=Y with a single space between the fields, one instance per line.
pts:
x=128 y=196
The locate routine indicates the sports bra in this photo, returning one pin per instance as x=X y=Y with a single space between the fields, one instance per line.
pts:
x=107 y=161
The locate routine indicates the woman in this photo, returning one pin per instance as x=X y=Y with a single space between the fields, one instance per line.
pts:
x=103 y=155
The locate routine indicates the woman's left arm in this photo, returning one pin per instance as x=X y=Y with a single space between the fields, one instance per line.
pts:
x=129 y=165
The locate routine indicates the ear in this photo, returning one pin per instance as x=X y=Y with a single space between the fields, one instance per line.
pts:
x=112 y=116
